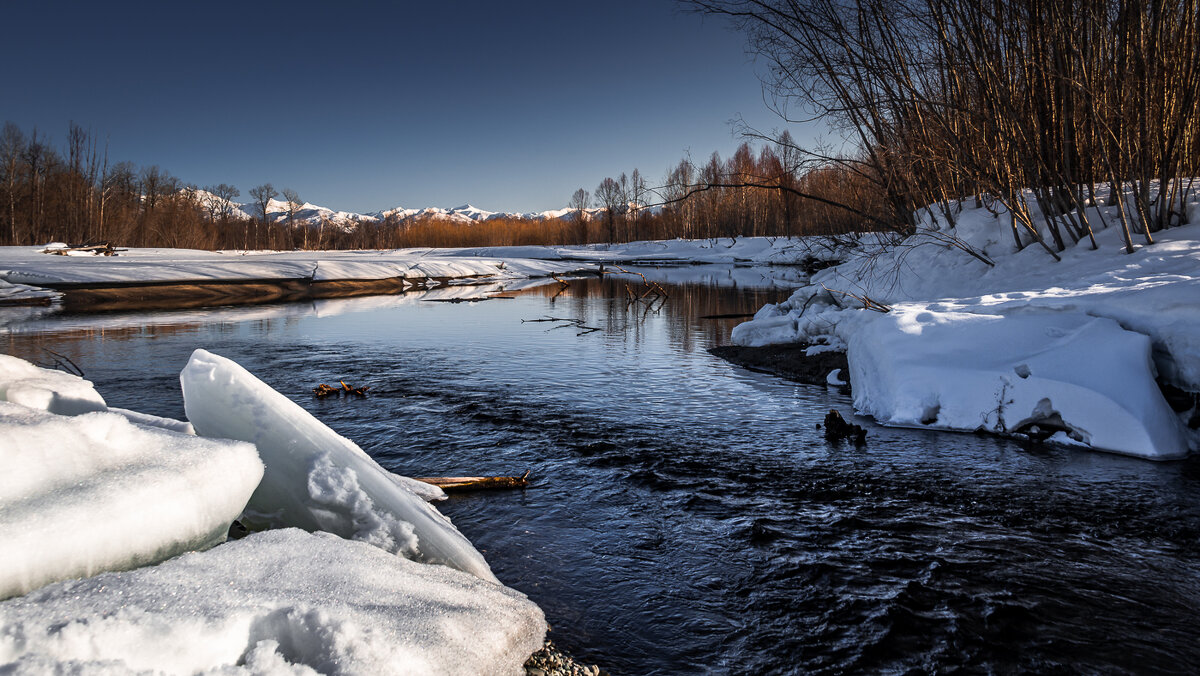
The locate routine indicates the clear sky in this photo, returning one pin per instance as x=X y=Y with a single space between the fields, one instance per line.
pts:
x=510 y=106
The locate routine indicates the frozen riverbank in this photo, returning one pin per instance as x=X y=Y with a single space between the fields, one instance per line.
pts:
x=1071 y=348
x=170 y=278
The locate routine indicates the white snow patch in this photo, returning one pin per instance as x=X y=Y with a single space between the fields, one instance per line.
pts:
x=1083 y=375
x=279 y=602
x=94 y=492
x=1154 y=291
x=315 y=478
x=45 y=389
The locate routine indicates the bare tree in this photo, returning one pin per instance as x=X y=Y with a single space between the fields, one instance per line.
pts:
x=12 y=147
x=608 y=195
x=294 y=204
x=262 y=196
x=580 y=201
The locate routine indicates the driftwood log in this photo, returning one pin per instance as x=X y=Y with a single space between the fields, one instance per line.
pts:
x=95 y=248
x=452 y=484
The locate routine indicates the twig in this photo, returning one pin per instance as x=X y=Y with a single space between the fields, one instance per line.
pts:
x=867 y=302
x=62 y=363
x=577 y=323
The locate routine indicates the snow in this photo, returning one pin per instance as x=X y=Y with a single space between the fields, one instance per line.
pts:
x=316 y=479
x=45 y=389
x=93 y=492
x=977 y=323
x=279 y=602
x=105 y=494
x=24 y=265
x=966 y=371
x=13 y=294
x=746 y=250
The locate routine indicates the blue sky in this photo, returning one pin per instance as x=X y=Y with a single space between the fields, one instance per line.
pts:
x=364 y=106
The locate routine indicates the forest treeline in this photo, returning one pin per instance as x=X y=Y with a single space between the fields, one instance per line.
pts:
x=940 y=99
x=74 y=193
x=1032 y=108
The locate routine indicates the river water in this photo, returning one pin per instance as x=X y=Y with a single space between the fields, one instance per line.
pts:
x=686 y=515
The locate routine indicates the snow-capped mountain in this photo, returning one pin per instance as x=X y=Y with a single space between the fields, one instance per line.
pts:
x=313 y=214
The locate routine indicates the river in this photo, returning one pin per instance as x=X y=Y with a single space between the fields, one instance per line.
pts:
x=686 y=515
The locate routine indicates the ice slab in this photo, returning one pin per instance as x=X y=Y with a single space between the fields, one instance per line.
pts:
x=94 y=492
x=317 y=479
x=278 y=602
x=1082 y=375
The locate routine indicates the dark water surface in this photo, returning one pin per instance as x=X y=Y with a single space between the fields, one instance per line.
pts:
x=687 y=517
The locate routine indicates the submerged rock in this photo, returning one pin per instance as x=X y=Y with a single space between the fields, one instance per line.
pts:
x=836 y=428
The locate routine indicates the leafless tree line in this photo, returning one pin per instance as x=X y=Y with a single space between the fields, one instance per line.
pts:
x=77 y=195
x=1039 y=105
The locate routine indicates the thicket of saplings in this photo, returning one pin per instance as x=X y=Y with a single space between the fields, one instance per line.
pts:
x=75 y=195
x=1037 y=106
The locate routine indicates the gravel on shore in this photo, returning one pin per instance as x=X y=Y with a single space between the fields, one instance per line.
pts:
x=550 y=661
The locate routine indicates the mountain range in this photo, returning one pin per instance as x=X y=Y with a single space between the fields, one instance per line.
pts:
x=313 y=214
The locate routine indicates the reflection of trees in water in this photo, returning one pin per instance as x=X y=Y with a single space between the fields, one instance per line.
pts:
x=606 y=303
x=86 y=344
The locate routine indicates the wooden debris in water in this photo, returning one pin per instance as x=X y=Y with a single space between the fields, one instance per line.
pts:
x=323 y=390
x=94 y=248
x=564 y=322
x=476 y=483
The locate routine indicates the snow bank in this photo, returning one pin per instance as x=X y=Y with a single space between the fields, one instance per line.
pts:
x=758 y=250
x=1154 y=291
x=23 y=294
x=45 y=389
x=94 y=492
x=273 y=603
x=1082 y=375
x=316 y=479
x=27 y=266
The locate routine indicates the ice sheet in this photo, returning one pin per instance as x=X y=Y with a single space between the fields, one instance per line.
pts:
x=317 y=479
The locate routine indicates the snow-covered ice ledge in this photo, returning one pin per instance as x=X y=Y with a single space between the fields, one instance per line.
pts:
x=1072 y=347
x=190 y=278
x=88 y=489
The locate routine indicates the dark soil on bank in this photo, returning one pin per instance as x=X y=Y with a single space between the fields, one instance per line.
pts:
x=787 y=361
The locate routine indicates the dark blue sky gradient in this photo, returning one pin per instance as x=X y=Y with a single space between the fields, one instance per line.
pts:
x=364 y=106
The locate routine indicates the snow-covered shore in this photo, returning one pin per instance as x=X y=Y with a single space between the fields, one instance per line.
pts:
x=1072 y=348
x=28 y=265
x=139 y=506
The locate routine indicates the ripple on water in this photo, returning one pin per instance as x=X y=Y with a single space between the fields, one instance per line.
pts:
x=687 y=517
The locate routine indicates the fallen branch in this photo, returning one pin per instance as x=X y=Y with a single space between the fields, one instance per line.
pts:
x=577 y=323
x=61 y=363
x=476 y=483
x=868 y=303
x=94 y=248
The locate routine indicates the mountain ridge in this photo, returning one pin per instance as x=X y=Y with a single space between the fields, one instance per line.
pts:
x=314 y=214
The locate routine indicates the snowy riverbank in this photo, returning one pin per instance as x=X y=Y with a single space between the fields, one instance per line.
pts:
x=182 y=278
x=105 y=494
x=1028 y=345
